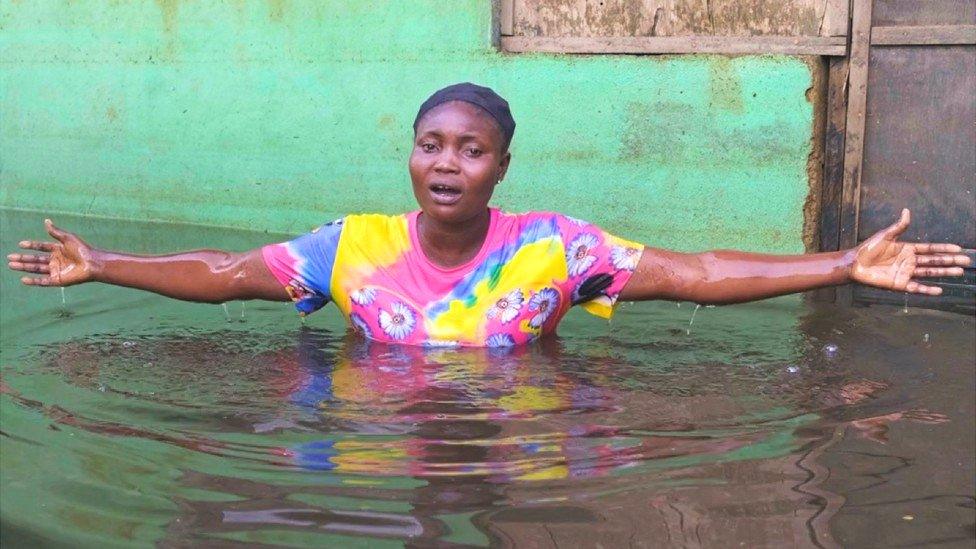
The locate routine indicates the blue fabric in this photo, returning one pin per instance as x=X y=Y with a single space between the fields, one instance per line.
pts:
x=317 y=251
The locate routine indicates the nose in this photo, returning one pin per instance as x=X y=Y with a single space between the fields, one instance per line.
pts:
x=446 y=162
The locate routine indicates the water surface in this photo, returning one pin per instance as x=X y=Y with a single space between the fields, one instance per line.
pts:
x=133 y=420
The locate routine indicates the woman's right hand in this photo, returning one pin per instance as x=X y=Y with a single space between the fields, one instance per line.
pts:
x=67 y=261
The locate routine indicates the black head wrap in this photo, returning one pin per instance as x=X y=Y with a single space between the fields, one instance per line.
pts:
x=479 y=96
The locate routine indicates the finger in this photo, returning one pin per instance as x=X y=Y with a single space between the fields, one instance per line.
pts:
x=55 y=232
x=938 y=271
x=916 y=288
x=28 y=258
x=899 y=227
x=926 y=416
x=37 y=245
x=37 y=281
x=29 y=267
x=960 y=260
x=941 y=248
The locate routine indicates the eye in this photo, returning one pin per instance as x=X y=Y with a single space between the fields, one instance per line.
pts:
x=428 y=147
x=475 y=152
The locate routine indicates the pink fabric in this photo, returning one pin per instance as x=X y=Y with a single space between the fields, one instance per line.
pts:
x=522 y=281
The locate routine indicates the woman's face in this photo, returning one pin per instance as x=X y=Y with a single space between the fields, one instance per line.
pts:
x=458 y=157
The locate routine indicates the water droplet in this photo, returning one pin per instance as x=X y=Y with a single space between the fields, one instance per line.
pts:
x=128 y=344
x=830 y=350
x=693 y=313
x=226 y=311
x=242 y=311
x=101 y=388
x=905 y=309
x=64 y=299
x=925 y=338
x=792 y=369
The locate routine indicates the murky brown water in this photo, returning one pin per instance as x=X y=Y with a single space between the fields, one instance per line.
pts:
x=131 y=420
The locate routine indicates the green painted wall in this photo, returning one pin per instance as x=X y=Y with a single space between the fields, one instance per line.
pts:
x=277 y=115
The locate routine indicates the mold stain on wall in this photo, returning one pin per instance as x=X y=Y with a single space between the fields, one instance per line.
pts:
x=724 y=87
x=170 y=10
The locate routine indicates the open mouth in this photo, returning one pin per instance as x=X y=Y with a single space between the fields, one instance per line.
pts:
x=445 y=194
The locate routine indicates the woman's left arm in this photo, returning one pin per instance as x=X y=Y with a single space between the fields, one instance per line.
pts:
x=721 y=277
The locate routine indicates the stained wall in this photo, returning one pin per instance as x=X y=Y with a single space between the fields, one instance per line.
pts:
x=281 y=114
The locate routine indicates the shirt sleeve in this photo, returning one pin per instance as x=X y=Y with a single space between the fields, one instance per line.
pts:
x=598 y=264
x=304 y=266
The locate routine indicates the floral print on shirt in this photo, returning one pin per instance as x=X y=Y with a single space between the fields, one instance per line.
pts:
x=531 y=269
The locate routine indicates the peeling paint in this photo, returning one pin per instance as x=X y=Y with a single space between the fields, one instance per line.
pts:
x=816 y=94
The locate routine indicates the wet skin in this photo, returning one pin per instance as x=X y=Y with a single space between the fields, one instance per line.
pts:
x=726 y=276
x=459 y=156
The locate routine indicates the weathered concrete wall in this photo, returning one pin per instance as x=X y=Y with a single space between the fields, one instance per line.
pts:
x=277 y=115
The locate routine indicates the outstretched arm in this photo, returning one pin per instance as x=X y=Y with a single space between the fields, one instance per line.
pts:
x=210 y=276
x=722 y=277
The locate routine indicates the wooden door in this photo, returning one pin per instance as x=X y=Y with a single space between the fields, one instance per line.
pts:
x=910 y=135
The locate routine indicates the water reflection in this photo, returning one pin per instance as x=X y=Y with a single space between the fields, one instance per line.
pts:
x=468 y=425
x=306 y=438
x=478 y=427
x=525 y=413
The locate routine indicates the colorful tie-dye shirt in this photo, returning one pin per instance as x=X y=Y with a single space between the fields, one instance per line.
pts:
x=530 y=270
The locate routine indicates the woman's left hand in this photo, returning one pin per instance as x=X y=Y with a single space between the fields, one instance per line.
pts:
x=883 y=262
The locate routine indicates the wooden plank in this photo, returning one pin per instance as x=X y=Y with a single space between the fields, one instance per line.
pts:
x=757 y=17
x=954 y=298
x=785 y=45
x=590 y=18
x=553 y=18
x=857 y=94
x=924 y=35
x=506 y=17
x=836 y=19
x=923 y=12
x=920 y=143
x=832 y=187
x=836 y=126
x=920 y=152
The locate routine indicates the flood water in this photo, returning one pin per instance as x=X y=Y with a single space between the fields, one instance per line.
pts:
x=133 y=420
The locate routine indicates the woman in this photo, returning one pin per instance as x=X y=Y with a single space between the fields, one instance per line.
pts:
x=457 y=272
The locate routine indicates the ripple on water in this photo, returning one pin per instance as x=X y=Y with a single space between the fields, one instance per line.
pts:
x=311 y=434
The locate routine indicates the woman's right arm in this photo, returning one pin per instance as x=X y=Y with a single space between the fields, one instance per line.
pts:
x=210 y=276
